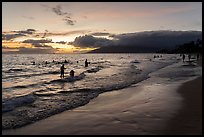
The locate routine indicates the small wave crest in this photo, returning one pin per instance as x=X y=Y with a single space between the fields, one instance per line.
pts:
x=24 y=86
x=11 y=104
x=94 y=70
x=30 y=75
x=70 y=79
x=77 y=90
x=44 y=94
x=135 y=61
x=15 y=69
x=101 y=62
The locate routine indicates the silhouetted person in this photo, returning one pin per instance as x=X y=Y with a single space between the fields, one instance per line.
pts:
x=86 y=63
x=189 y=57
x=183 y=57
x=65 y=61
x=72 y=73
x=62 y=71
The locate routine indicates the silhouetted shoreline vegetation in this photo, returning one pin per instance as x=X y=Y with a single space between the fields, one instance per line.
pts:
x=189 y=47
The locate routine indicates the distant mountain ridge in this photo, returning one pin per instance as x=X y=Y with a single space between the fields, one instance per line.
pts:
x=146 y=42
x=122 y=49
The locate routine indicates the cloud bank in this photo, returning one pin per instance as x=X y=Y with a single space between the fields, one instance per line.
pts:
x=146 y=39
x=38 y=43
x=90 y=41
x=32 y=41
x=38 y=47
x=28 y=31
x=15 y=34
x=11 y=36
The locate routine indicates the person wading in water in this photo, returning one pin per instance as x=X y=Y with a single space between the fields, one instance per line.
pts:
x=62 y=68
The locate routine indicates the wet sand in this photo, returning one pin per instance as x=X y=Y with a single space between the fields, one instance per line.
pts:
x=188 y=120
x=149 y=107
x=134 y=110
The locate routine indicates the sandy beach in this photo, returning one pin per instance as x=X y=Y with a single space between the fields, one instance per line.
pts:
x=102 y=68
x=188 y=120
x=153 y=106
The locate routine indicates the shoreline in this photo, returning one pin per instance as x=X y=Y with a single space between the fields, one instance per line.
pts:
x=73 y=102
x=188 y=120
x=133 y=110
x=190 y=115
x=143 y=108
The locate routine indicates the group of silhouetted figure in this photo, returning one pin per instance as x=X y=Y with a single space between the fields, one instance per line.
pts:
x=62 y=68
x=55 y=62
x=157 y=56
x=189 y=57
x=71 y=73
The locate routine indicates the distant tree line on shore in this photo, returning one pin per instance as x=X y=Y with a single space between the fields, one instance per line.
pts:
x=190 y=47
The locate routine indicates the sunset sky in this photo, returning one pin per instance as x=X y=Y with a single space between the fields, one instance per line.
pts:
x=51 y=27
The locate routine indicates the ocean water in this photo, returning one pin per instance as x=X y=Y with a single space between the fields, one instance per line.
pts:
x=31 y=92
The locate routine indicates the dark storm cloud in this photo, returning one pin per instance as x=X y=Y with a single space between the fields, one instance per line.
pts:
x=147 y=39
x=32 y=41
x=158 y=39
x=32 y=30
x=39 y=46
x=90 y=41
x=39 y=43
x=61 y=42
x=11 y=36
x=28 y=31
x=15 y=34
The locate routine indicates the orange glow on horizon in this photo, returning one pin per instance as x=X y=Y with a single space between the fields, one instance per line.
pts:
x=15 y=44
x=61 y=48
